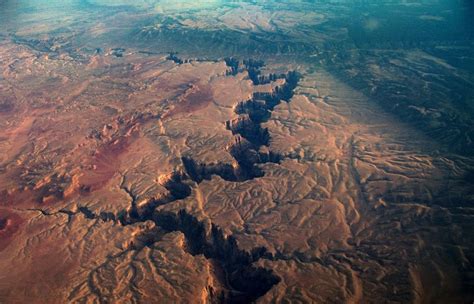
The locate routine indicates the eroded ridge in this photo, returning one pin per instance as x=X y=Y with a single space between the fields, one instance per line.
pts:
x=106 y=138
x=249 y=149
x=234 y=276
x=243 y=282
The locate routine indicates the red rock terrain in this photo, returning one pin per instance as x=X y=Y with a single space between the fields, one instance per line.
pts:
x=143 y=178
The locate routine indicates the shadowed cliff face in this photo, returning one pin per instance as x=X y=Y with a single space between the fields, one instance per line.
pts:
x=244 y=282
x=142 y=159
x=250 y=137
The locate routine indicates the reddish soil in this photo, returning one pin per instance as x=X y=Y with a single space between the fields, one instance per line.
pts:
x=195 y=99
x=9 y=224
x=106 y=161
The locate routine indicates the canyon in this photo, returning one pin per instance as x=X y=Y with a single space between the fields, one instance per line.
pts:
x=235 y=152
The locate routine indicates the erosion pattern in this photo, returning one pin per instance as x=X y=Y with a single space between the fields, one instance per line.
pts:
x=217 y=181
x=236 y=168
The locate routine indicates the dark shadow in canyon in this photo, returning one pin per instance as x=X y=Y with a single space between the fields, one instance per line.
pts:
x=243 y=282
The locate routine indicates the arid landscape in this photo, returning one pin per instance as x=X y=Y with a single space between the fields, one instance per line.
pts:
x=236 y=152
